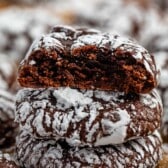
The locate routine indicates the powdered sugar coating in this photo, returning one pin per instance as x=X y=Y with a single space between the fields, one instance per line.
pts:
x=143 y=152
x=30 y=2
x=155 y=38
x=129 y=15
x=87 y=117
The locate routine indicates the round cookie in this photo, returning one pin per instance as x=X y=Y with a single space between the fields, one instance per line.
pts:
x=87 y=59
x=142 y=152
x=87 y=117
x=162 y=61
x=27 y=24
x=8 y=128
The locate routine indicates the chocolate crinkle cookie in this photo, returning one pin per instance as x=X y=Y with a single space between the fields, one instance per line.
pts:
x=87 y=117
x=162 y=61
x=88 y=59
x=6 y=161
x=143 y=152
x=8 y=128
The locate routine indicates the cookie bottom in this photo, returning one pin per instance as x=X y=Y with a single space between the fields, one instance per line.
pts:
x=142 y=152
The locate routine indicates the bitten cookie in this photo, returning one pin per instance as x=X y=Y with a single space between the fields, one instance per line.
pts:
x=87 y=117
x=88 y=59
x=8 y=128
x=143 y=152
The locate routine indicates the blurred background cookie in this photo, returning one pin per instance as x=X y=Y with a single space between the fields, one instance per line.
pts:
x=19 y=27
x=162 y=61
x=164 y=162
x=87 y=117
x=8 y=74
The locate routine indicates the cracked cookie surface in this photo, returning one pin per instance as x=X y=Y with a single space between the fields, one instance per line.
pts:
x=87 y=117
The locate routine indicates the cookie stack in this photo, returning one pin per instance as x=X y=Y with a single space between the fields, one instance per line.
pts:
x=89 y=101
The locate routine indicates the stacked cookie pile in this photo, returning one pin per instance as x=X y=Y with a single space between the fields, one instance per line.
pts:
x=89 y=101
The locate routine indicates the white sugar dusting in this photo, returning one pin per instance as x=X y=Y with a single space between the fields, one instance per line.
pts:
x=3 y=83
x=71 y=97
x=7 y=107
x=116 y=131
x=48 y=120
x=90 y=39
x=119 y=41
x=38 y=122
x=161 y=61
